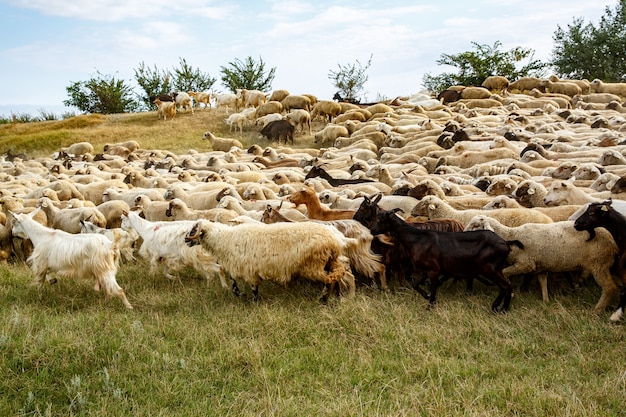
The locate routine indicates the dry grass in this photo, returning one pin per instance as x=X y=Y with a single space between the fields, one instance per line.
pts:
x=178 y=135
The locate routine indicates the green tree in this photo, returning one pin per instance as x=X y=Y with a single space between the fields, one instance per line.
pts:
x=587 y=51
x=188 y=78
x=153 y=82
x=247 y=74
x=486 y=60
x=350 y=78
x=101 y=94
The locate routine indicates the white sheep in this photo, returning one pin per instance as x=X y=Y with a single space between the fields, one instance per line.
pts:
x=164 y=242
x=540 y=255
x=330 y=133
x=278 y=252
x=597 y=86
x=435 y=208
x=221 y=144
x=69 y=255
x=183 y=101
x=68 y=219
x=236 y=120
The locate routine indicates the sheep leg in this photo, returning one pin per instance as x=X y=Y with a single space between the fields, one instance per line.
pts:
x=235 y=287
x=617 y=315
x=543 y=283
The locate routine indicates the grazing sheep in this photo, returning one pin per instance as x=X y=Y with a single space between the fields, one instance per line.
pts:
x=183 y=101
x=296 y=102
x=221 y=144
x=79 y=148
x=268 y=108
x=326 y=109
x=278 y=252
x=278 y=95
x=574 y=252
x=68 y=255
x=496 y=83
x=330 y=133
x=301 y=119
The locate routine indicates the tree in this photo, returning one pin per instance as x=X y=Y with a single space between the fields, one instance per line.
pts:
x=350 y=78
x=247 y=74
x=101 y=94
x=153 y=82
x=587 y=51
x=475 y=66
x=186 y=78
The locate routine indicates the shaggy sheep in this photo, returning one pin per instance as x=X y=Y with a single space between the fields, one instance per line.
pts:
x=301 y=119
x=268 y=108
x=278 y=252
x=296 y=102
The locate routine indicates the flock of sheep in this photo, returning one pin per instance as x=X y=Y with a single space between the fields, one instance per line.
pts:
x=522 y=159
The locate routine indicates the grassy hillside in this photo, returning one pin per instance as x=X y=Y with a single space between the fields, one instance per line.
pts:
x=178 y=135
x=190 y=348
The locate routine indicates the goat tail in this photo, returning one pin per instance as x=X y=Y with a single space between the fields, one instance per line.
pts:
x=361 y=257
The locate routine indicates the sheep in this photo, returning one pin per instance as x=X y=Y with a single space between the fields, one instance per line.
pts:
x=496 y=83
x=296 y=102
x=165 y=108
x=301 y=119
x=227 y=100
x=278 y=252
x=326 y=108
x=236 y=120
x=154 y=211
x=561 y=87
x=78 y=149
x=619 y=89
x=525 y=84
x=252 y=98
x=201 y=97
x=435 y=208
x=68 y=219
x=125 y=240
x=268 y=118
x=178 y=210
x=564 y=192
x=165 y=242
x=278 y=95
x=475 y=93
x=574 y=252
x=330 y=133
x=469 y=159
x=221 y=144
x=268 y=108
x=68 y=255
x=112 y=210
x=183 y=100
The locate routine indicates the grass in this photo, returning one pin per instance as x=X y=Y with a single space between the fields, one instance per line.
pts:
x=190 y=348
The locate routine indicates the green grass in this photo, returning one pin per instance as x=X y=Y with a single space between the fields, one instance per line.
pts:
x=190 y=348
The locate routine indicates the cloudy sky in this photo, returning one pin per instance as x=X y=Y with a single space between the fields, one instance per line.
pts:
x=48 y=44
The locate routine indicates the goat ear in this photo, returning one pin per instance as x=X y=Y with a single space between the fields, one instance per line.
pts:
x=377 y=198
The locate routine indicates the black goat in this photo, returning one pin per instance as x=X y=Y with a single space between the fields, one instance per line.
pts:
x=317 y=171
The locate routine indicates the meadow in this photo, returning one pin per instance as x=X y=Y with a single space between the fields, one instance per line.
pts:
x=191 y=348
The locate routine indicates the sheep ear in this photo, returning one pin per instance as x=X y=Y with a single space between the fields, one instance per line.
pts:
x=531 y=191
x=432 y=206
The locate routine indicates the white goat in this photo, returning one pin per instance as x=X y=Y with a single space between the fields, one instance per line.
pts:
x=165 y=242
x=82 y=255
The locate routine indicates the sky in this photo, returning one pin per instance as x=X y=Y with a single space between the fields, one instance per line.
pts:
x=49 y=44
